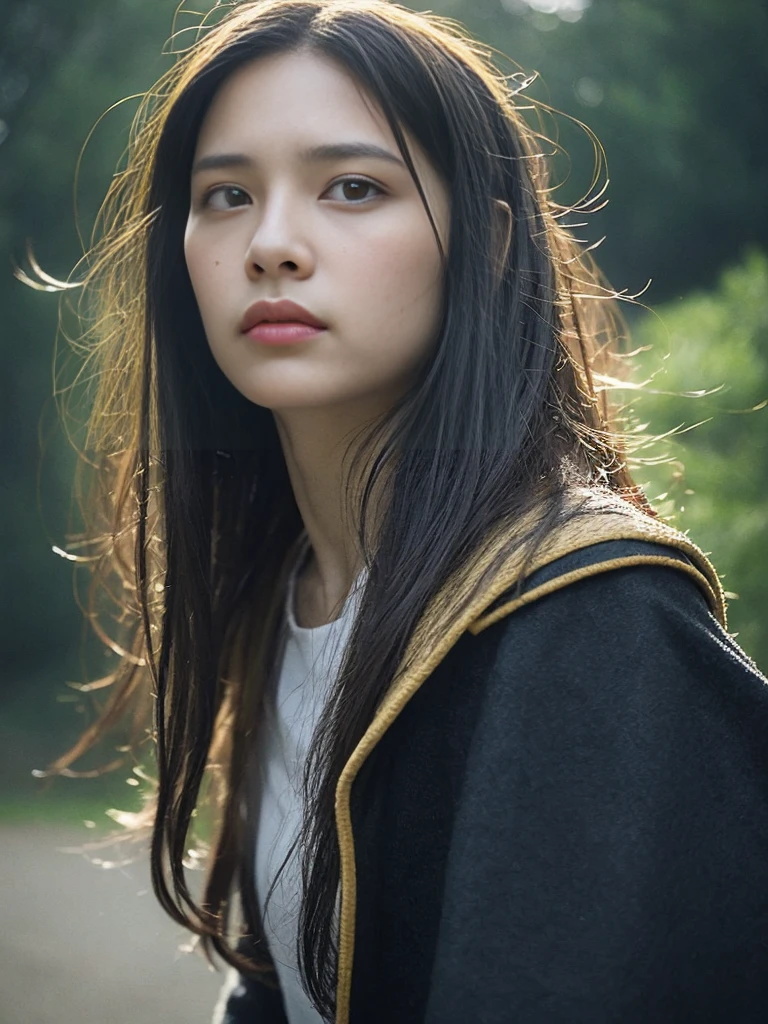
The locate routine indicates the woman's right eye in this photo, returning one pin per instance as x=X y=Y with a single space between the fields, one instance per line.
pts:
x=225 y=197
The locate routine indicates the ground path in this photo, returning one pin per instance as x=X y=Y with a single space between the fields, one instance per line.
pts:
x=84 y=945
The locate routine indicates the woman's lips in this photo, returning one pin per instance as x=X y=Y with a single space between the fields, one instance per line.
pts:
x=283 y=332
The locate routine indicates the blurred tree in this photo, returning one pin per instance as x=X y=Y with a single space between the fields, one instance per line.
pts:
x=674 y=91
x=61 y=66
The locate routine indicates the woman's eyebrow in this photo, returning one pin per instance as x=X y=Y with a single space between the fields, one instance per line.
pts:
x=313 y=154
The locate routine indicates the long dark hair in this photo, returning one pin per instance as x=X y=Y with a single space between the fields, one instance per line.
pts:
x=193 y=522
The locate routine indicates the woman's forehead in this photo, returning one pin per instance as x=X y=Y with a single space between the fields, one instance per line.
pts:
x=293 y=101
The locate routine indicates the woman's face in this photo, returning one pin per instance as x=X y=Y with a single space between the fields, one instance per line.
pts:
x=346 y=237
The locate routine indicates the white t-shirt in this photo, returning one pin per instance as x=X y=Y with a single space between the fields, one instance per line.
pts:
x=311 y=660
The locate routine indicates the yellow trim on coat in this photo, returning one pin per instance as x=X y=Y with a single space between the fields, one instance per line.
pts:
x=591 y=570
x=606 y=517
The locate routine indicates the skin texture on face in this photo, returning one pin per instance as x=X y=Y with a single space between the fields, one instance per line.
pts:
x=361 y=257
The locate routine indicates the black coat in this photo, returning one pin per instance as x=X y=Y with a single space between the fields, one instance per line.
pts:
x=567 y=820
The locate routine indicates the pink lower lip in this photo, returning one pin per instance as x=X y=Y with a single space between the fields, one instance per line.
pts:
x=283 y=333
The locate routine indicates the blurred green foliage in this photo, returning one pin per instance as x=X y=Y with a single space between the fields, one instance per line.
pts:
x=716 y=343
x=673 y=89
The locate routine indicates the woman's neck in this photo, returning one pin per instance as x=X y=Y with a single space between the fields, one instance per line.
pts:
x=314 y=445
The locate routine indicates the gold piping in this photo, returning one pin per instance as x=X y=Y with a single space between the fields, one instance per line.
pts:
x=592 y=570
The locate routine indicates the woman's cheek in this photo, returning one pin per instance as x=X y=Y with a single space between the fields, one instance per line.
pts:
x=210 y=272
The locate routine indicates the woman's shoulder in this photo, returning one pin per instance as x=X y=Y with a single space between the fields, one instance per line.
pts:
x=622 y=617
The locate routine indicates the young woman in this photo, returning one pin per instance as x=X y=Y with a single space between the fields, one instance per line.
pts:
x=460 y=714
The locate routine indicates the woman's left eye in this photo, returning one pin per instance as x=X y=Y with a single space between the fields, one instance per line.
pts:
x=356 y=193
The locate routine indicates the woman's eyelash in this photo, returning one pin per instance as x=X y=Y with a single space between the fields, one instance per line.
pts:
x=208 y=196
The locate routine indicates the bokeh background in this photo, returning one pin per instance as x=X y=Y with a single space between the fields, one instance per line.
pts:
x=673 y=89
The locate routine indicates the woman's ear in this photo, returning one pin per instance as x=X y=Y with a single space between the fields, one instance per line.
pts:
x=501 y=233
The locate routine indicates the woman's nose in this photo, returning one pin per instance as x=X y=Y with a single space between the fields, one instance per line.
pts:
x=278 y=245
